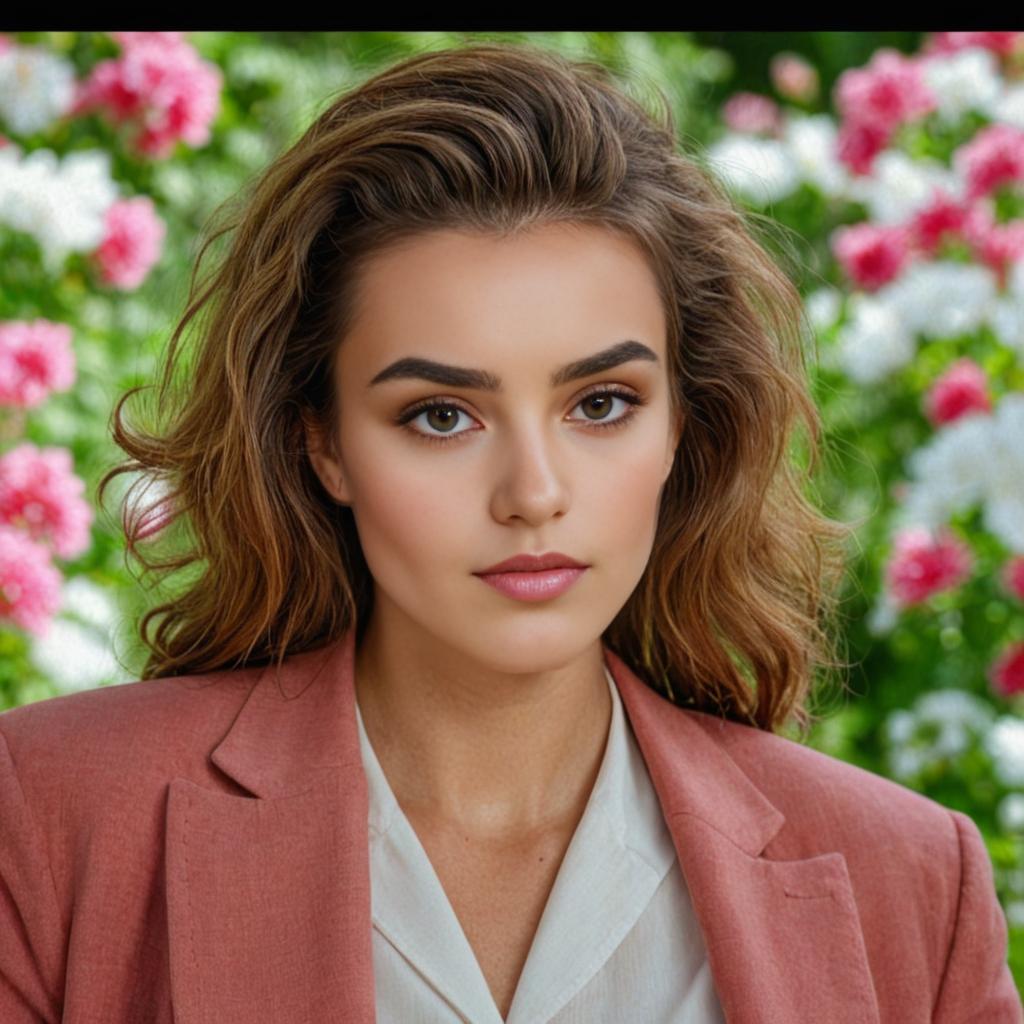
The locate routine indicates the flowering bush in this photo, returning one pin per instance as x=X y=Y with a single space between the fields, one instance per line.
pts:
x=906 y=194
x=72 y=230
x=910 y=197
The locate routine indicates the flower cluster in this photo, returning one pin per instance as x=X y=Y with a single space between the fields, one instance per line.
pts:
x=921 y=166
x=161 y=93
x=158 y=84
x=159 y=88
x=42 y=509
x=36 y=359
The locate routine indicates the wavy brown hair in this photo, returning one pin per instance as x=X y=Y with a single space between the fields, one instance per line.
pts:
x=734 y=610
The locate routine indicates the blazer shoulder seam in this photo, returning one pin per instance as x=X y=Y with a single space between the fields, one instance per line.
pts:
x=958 y=829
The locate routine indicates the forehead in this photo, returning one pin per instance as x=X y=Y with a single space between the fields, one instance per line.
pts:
x=571 y=287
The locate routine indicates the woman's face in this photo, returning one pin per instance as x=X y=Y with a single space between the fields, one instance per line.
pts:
x=510 y=451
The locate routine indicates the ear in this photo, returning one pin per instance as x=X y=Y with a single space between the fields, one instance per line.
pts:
x=327 y=466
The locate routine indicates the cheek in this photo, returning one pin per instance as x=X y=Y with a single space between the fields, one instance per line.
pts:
x=407 y=513
x=628 y=490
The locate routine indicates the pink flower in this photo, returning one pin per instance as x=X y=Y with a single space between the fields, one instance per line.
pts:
x=871 y=254
x=160 y=84
x=133 y=242
x=1013 y=576
x=793 y=77
x=1002 y=43
x=961 y=390
x=30 y=586
x=859 y=142
x=995 y=245
x=1006 y=673
x=993 y=157
x=128 y=39
x=889 y=91
x=751 y=113
x=943 y=216
x=922 y=565
x=36 y=359
x=40 y=493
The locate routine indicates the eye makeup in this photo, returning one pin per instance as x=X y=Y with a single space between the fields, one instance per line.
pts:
x=632 y=399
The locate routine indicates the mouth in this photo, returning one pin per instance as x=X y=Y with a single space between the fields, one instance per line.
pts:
x=535 y=585
x=533 y=563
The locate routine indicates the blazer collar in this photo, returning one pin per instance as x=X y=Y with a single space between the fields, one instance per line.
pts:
x=269 y=895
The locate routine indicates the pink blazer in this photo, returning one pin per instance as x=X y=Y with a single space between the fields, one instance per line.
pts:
x=196 y=850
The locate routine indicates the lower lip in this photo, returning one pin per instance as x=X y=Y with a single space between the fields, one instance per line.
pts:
x=533 y=586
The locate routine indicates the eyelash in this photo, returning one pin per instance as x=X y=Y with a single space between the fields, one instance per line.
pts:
x=404 y=420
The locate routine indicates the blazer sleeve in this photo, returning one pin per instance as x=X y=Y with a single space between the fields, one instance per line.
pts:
x=977 y=986
x=31 y=934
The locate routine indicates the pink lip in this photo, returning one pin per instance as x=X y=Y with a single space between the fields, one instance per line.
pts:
x=534 y=586
x=534 y=563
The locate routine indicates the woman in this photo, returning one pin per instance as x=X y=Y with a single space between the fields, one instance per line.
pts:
x=506 y=593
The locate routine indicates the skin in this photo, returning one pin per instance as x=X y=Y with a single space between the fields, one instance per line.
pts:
x=490 y=715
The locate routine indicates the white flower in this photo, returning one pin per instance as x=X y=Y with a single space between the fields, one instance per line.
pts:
x=823 y=306
x=883 y=616
x=1005 y=745
x=954 y=716
x=976 y=458
x=89 y=602
x=900 y=185
x=950 y=472
x=957 y=708
x=900 y=726
x=813 y=149
x=75 y=657
x=36 y=87
x=1015 y=278
x=874 y=342
x=761 y=170
x=1008 y=106
x=1006 y=318
x=942 y=298
x=963 y=81
x=906 y=762
x=1015 y=913
x=1004 y=508
x=1004 y=516
x=1011 y=812
x=63 y=204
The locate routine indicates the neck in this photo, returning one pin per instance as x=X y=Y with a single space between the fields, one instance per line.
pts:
x=493 y=755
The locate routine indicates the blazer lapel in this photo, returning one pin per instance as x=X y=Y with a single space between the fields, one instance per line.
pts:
x=783 y=937
x=268 y=892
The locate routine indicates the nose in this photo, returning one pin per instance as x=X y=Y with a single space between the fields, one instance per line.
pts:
x=532 y=483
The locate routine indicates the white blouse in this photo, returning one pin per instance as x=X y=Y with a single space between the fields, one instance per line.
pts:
x=618 y=939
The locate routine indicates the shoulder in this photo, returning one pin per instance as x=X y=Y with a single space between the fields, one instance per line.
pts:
x=152 y=728
x=919 y=872
x=825 y=797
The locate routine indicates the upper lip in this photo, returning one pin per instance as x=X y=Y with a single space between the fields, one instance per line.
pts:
x=534 y=563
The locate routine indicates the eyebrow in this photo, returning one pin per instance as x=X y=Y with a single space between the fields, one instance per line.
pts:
x=462 y=377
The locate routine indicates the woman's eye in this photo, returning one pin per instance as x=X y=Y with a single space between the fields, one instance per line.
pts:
x=599 y=402
x=443 y=415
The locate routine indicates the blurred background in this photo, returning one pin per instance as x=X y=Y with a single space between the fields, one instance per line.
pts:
x=890 y=168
